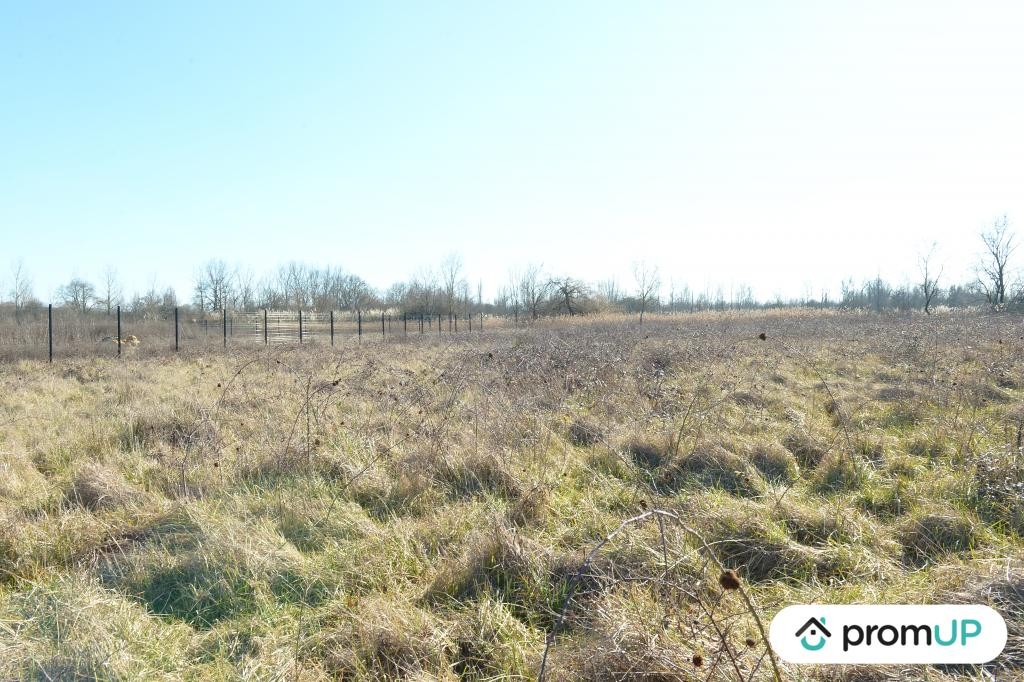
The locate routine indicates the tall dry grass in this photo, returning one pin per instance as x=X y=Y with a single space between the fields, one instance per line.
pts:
x=597 y=500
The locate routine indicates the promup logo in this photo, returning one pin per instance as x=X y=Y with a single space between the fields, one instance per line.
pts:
x=817 y=628
x=965 y=633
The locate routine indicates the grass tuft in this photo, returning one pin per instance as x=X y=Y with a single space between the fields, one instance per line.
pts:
x=712 y=467
x=98 y=487
x=930 y=537
x=776 y=463
x=584 y=434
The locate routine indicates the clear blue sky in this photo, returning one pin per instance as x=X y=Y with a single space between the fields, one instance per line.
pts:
x=777 y=144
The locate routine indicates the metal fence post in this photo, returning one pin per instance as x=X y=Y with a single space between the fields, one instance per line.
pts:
x=175 y=329
x=405 y=323
x=382 y=334
x=266 y=335
x=118 y=330
x=224 y=315
x=481 y=321
x=359 y=325
x=49 y=328
x=439 y=324
x=470 y=318
x=300 y=325
x=332 y=327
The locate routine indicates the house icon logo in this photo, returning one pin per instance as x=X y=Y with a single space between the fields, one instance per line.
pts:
x=817 y=630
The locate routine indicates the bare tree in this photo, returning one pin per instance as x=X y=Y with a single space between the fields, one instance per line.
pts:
x=993 y=269
x=214 y=286
x=533 y=289
x=354 y=293
x=396 y=294
x=743 y=297
x=154 y=303
x=21 y=288
x=570 y=294
x=291 y=285
x=451 y=271
x=878 y=293
x=513 y=293
x=464 y=296
x=424 y=292
x=78 y=294
x=608 y=289
x=648 y=285
x=501 y=300
x=686 y=298
x=246 y=288
x=929 y=278
x=111 y=292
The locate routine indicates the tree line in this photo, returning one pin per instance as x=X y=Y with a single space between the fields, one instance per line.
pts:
x=530 y=292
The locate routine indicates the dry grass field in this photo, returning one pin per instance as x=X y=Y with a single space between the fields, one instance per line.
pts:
x=608 y=501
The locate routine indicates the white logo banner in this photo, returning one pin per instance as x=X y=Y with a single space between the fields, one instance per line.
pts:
x=833 y=633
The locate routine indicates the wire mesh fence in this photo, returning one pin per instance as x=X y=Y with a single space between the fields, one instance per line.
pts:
x=52 y=332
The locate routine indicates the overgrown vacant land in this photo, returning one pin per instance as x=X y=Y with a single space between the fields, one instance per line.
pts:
x=434 y=510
